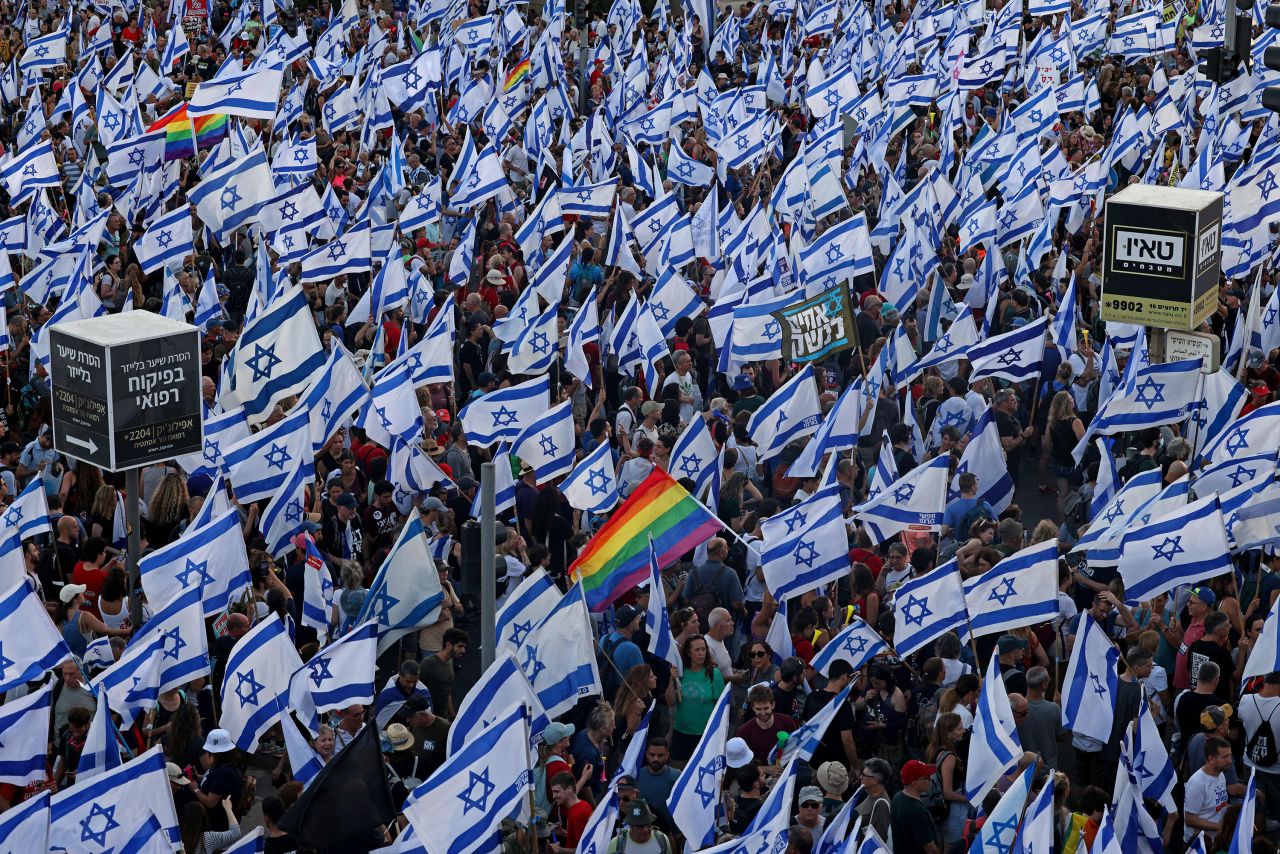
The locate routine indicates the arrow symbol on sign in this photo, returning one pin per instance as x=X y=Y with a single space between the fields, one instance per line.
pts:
x=90 y=446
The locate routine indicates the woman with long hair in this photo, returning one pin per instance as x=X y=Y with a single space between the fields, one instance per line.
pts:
x=102 y=513
x=166 y=511
x=631 y=702
x=1065 y=430
x=113 y=601
x=79 y=486
x=866 y=600
x=696 y=694
x=184 y=741
x=79 y=627
x=198 y=837
x=948 y=730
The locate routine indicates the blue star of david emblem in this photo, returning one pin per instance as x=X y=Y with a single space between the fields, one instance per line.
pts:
x=301 y=155
x=175 y=650
x=519 y=631
x=834 y=254
x=503 y=417
x=1006 y=218
x=135 y=157
x=646 y=123
x=235 y=87
x=539 y=343
x=904 y=492
x=277 y=457
x=1127 y=41
x=110 y=120
x=1149 y=393
x=1009 y=357
x=1269 y=317
x=1241 y=475
x=985 y=66
x=690 y=465
x=943 y=344
x=598 y=481
x=109 y=823
x=1035 y=115
x=197 y=569
x=547 y=444
x=806 y=553
x=164 y=238
x=137 y=691
x=782 y=416
x=327 y=409
x=915 y=602
x=287 y=240
x=685 y=169
x=1170 y=548
x=293 y=512
x=795 y=520
x=1010 y=826
x=584 y=196
x=42 y=51
x=263 y=362
x=385 y=419
x=248 y=688
x=1267 y=185
x=1114 y=513
x=320 y=671
x=13 y=516
x=532 y=666
x=1098 y=687
x=832 y=97
x=477 y=792
x=912 y=88
x=288 y=211
x=385 y=602
x=1238 y=440
x=742 y=141
x=855 y=645
x=229 y=198
x=1058 y=55
x=330 y=112
x=705 y=788
x=1003 y=594
x=29 y=170
x=5 y=663
x=337 y=249
x=772 y=329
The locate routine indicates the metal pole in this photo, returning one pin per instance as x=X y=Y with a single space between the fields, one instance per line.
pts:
x=488 y=556
x=133 y=486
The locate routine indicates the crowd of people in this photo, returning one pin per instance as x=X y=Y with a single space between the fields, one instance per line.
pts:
x=892 y=759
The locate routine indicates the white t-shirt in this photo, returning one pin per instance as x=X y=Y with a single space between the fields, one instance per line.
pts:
x=1205 y=797
x=1253 y=711
x=966 y=716
x=1158 y=681
x=720 y=655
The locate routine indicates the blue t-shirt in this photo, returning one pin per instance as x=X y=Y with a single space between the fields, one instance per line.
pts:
x=957 y=510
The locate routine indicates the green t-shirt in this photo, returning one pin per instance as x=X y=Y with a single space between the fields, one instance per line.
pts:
x=698 y=696
x=910 y=825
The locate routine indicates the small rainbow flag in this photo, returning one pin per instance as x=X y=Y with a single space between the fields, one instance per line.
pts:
x=516 y=75
x=616 y=559
x=181 y=138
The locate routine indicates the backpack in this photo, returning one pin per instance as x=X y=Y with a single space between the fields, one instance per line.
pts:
x=1261 y=748
x=610 y=681
x=704 y=598
x=737 y=558
x=977 y=513
x=933 y=800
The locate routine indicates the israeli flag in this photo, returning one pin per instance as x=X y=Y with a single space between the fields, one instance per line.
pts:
x=525 y=607
x=1015 y=356
x=220 y=431
x=951 y=346
x=857 y=643
x=348 y=253
x=1160 y=394
x=339 y=675
x=1233 y=473
x=584 y=329
x=927 y=607
x=1108 y=523
x=101 y=751
x=502 y=686
x=1001 y=827
x=180 y=626
x=697 y=788
x=534 y=348
x=792 y=412
x=108 y=812
x=393 y=410
x=44 y=52
x=603 y=824
x=547 y=445
x=594 y=200
x=484 y=179
x=1020 y=590
x=259 y=465
x=694 y=455
x=166 y=242
x=559 y=656
x=914 y=501
x=317 y=591
x=304 y=762
x=339 y=391
x=211 y=559
x=25 y=724
x=502 y=414
x=1221 y=399
x=458 y=809
x=286 y=514
x=661 y=642
x=1151 y=764
x=683 y=169
x=1265 y=657
x=672 y=299
x=1089 y=705
x=839 y=431
x=257 y=677
x=29 y=642
x=592 y=486
x=806 y=546
x=277 y=356
x=805 y=740
x=251 y=94
x=994 y=746
x=131 y=685
x=28 y=515
x=30 y=170
x=405 y=594
x=412 y=473
x=1252 y=434
x=229 y=196
x=984 y=457
x=25 y=827
x=1184 y=546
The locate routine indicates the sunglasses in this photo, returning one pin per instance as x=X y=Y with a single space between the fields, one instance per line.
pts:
x=811 y=805
x=759 y=654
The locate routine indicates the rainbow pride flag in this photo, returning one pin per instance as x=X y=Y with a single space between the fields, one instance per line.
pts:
x=516 y=75
x=616 y=559
x=182 y=138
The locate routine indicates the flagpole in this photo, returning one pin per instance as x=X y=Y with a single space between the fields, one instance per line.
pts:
x=134 y=547
x=488 y=584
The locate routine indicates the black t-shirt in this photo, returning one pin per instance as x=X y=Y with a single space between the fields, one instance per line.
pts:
x=790 y=703
x=832 y=745
x=224 y=781
x=1206 y=650
x=469 y=354
x=1187 y=707
x=1009 y=427
x=911 y=825
x=379 y=526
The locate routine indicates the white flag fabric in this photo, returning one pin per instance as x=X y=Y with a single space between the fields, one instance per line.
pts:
x=229 y=197
x=256 y=679
x=405 y=594
x=29 y=641
x=1187 y=545
x=915 y=501
x=104 y=813
x=277 y=356
x=524 y=608
x=1020 y=590
x=211 y=558
x=339 y=675
x=180 y=625
x=131 y=685
x=559 y=655
x=984 y=457
x=806 y=546
x=101 y=750
x=927 y=607
x=792 y=412
x=25 y=724
x=593 y=483
x=1264 y=658
x=459 y=807
x=1088 y=707
x=503 y=413
x=857 y=643
x=502 y=686
x=994 y=746
x=251 y=94
x=259 y=465
x=698 y=786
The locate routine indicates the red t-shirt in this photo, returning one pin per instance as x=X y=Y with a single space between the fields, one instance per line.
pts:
x=574 y=820
x=92 y=579
x=763 y=741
